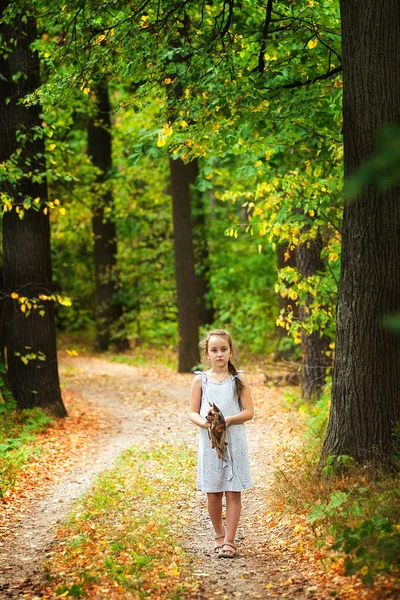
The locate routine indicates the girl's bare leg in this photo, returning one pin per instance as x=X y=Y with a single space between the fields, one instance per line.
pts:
x=233 y=509
x=214 y=505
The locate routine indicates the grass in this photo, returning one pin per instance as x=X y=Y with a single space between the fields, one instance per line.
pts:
x=152 y=357
x=124 y=538
x=18 y=432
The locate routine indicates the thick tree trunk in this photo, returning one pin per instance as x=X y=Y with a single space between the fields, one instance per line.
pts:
x=108 y=309
x=366 y=381
x=26 y=241
x=200 y=248
x=188 y=318
x=314 y=361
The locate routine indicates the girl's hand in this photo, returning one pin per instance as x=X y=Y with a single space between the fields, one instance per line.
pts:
x=227 y=421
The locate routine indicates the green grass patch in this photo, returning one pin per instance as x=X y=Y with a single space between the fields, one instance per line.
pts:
x=125 y=537
x=148 y=356
x=18 y=432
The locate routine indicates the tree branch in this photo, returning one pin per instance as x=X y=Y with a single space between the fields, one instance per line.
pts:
x=296 y=84
x=267 y=22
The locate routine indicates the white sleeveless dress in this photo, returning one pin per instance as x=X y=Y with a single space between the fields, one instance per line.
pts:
x=232 y=472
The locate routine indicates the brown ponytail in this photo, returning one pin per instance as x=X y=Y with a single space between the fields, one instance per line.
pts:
x=239 y=384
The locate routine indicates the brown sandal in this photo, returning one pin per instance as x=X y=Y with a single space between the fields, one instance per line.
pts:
x=227 y=553
x=218 y=547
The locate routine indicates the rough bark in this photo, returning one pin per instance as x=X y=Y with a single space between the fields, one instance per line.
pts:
x=26 y=241
x=108 y=310
x=188 y=317
x=366 y=380
x=314 y=361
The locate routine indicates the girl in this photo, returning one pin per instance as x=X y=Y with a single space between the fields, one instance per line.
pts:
x=230 y=391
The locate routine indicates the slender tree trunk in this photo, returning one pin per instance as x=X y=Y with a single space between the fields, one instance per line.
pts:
x=314 y=346
x=188 y=315
x=366 y=381
x=26 y=241
x=200 y=247
x=284 y=303
x=108 y=310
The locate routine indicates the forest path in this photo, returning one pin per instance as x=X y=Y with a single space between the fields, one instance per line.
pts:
x=139 y=403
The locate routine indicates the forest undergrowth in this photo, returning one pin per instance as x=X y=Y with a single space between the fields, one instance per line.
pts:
x=352 y=512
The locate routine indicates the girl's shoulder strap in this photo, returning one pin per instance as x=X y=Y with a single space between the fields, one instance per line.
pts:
x=203 y=376
x=237 y=373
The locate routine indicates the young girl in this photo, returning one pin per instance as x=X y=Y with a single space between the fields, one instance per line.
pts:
x=230 y=392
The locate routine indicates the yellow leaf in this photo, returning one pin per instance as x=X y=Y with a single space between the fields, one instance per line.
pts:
x=45 y=210
x=312 y=44
x=167 y=81
x=62 y=211
x=72 y=353
x=161 y=142
x=23 y=308
x=52 y=146
x=24 y=360
x=14 y=295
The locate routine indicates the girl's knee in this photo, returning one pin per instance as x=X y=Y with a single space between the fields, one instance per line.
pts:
x=214 y=496
x=233 y=497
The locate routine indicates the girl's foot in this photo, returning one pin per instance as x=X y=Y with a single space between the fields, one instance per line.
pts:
x=228 y=550
x=218 y=543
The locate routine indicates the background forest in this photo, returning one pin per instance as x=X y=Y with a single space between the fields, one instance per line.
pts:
x=187 y=161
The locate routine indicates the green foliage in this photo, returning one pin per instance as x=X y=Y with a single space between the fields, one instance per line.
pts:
x=18 y=430
x=372 y=547
x=382 y=169
x=267 y=139
x=334 y=464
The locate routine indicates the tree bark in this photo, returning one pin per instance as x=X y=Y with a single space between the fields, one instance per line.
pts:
x=108 y=310
x=26 y=241
x=200 y=248
x=188 y=316
x=314 y=361
x=366 y=381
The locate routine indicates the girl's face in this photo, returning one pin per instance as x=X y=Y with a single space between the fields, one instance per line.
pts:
x=218 y=352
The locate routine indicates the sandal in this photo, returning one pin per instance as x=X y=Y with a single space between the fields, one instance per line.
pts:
x=217 y=547
x=229 y=553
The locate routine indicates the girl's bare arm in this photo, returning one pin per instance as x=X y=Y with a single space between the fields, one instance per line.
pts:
x=195 y=400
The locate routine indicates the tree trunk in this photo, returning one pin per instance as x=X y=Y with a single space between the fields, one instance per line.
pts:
x=108 y=310
x=188 y=318
x=366 y=381
x=200 y=247
x=314 y=361
x=26 y=241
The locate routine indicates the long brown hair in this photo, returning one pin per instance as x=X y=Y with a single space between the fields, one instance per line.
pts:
x=231 y=367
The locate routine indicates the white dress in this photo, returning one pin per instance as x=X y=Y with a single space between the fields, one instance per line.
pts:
x=232 y=472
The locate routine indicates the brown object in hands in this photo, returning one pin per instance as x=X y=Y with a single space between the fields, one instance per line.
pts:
x=217 y=431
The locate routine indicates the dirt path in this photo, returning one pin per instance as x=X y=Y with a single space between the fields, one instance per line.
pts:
x=138 y=406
